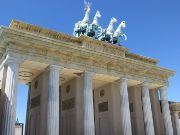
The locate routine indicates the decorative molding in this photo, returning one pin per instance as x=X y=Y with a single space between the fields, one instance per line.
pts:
x=41 y=31
x=25 y=74
x=103 y=107
x=141 y=58
x=102 y=93
x=68 y=104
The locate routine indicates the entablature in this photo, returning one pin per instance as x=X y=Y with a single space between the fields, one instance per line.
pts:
x=49 y=47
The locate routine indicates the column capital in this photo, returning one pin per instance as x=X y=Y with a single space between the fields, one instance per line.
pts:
x=176 y=113
x=54 y=67
x=163 y=88
x=146 y=84
x=163 y=93
x=122 y=79
x=88 y=73
x=10 y=59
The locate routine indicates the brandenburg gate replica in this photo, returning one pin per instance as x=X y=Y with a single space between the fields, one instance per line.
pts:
x=86 y=84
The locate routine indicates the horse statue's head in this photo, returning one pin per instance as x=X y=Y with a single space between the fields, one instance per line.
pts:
x=87 y=12
x=110 y=28
x=118 y=32
x=98 y=14
x=123 y=24
x=113 y=20
x=87 y=6
x=87 y=9
x=96 y=17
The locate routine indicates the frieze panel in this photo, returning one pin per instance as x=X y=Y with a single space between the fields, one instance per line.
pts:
x=68 y=104
x=104 y=49
x=103 y=107
x=41 y=31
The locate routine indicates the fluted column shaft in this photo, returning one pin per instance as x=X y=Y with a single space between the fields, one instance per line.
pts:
x=166 y=111
x=148 y=119
x=124 y=108
x=53 y=101
x=177 y=123
x=89 y=127
x=9 y=97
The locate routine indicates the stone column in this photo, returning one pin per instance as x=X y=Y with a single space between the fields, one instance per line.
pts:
x=177 y=124
x=89 y=127
x=148 y=119
x=53 y=100
x=9 y=96
x=124 y=108
x=166 y=111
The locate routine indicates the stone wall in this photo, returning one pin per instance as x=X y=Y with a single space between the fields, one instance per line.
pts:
x=68 y=107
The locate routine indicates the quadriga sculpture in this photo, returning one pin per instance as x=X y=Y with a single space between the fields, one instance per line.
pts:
x=107 y=34
x=94 y=27
x=118 y=33
x=81 y=26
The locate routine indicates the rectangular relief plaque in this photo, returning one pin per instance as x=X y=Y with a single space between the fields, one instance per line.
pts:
x=68 y=104
x=103 y=107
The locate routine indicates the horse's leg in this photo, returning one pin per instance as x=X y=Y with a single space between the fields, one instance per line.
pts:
x=111 y=38
x=125 y=37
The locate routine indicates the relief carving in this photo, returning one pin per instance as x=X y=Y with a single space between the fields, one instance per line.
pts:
x=68 y=104
x=103 y=107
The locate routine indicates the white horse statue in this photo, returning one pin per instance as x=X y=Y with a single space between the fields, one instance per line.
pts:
x=118 y=33
x=107 y=34
x=81 y=26
x=94 y=30
x=94 y=26
x=96 y=18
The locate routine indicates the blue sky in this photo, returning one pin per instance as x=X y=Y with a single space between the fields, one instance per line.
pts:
x=153 y=28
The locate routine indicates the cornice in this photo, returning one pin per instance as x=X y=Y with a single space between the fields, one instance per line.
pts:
x=19 y=25
x=141 y=58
